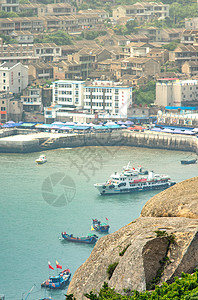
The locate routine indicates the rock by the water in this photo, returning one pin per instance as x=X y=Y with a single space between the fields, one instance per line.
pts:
x=174 y=211
x=181 y=200
x=140 y=262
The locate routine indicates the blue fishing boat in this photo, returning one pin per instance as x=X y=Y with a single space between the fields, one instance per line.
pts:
x=89 y=239
x=101 y=227
x=188 y=162
x=57 y=282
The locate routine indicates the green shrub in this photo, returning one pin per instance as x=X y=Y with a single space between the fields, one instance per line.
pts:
x=111 y=269
x=124 y=250
x=184 y=288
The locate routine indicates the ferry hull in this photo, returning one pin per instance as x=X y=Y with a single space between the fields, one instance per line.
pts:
x=108 y=191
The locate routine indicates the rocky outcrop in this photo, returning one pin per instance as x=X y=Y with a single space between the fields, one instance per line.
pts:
x=138 y=249
x=181 y=200
x=139 y=264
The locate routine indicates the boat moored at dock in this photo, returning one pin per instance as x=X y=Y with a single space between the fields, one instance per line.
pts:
x=133 y=180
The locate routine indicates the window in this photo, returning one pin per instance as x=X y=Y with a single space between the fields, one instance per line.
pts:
x=2 y=108
x=4 y=74
x=19 y=74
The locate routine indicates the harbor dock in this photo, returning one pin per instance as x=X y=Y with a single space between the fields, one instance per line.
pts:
x=18 y=141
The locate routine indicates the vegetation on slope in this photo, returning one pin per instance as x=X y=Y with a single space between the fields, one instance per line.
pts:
x=59 y=38
x=8 y=39
x=184 y=288
x=145 y=94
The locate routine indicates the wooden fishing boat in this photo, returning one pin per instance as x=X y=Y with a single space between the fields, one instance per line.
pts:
x=89 y=239
x=57 y=282
x=100 y=227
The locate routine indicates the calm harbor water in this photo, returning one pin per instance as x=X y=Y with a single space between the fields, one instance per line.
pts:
x=37 y=203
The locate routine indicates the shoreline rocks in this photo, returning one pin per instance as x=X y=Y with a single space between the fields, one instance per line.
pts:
x=143 y=249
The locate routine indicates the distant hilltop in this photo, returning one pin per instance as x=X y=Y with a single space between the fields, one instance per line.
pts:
x=159 y=245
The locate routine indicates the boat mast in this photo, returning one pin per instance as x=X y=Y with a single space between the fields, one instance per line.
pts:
x=29 y=292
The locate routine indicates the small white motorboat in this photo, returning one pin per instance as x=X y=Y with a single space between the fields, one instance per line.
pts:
x=41 y=160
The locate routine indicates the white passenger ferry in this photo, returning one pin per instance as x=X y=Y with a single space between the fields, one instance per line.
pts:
x=133 y=180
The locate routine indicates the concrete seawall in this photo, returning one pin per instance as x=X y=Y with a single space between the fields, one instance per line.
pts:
x=146 y=139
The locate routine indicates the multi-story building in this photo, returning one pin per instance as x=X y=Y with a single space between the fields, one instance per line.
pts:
x=184 y=53
x=23 y=37
x=47 y=52
x=159 y=54
x=100 y=12
x=41 y=71
x=55 y=9
x=32 y=99
x=15 y=53
x=40 y=24
x=10 y=108
x=9 y=5
x=32 y=24
x=190 y=68
x=191 y=24
x=68 y=94
x=175 y=92
x=140 y=66
x=107 y=97
x=189 y=37
x=80 y=64
x=142 y=11
x=156 y=34
x=13 y=77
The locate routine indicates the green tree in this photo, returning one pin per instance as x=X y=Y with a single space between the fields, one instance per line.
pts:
x=4 y=14
x=8 y=40
x=131 y=26
x=91 y=35
x=172 y=45
x=59 y=38
x=145 y=95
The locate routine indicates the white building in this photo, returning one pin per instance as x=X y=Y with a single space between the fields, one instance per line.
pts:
x=107 y=97
x=175 y=92
x=13 y=77
x=68 y=94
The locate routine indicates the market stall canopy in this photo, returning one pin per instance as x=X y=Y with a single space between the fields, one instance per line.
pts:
x=28 y=125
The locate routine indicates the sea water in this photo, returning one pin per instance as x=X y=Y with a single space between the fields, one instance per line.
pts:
x=38 y=202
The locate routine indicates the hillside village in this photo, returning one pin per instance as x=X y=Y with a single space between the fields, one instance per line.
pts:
x=62 y=63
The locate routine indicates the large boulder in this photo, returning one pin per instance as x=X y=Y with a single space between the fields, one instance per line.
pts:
x=181 y=200
x=139 y=248
x=141 y=260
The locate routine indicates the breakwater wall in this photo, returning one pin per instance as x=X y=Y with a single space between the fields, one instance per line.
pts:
x=146 y=139
x=132 y=139
x=9 y=146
